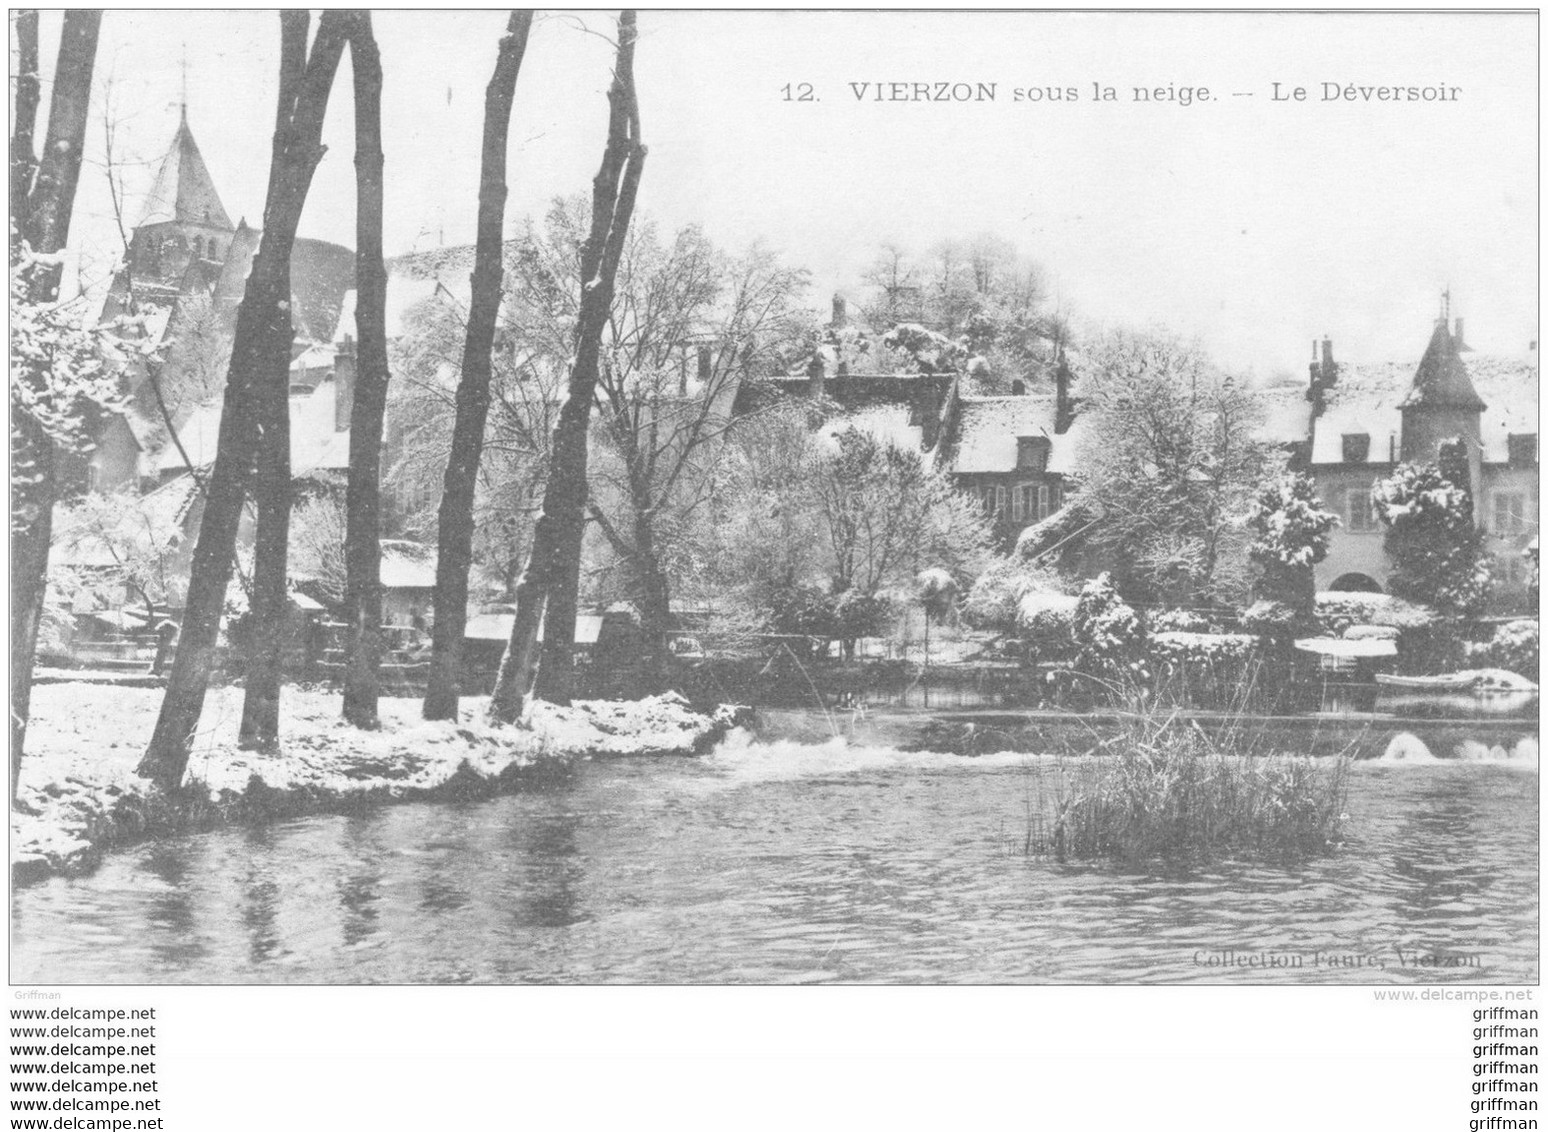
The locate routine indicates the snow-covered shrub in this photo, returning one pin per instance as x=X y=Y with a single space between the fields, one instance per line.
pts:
x=1289 y=530
x=1058 y=532
x=1046 y=622
x=1109 y=634
x=929 y=351
x=1288 y=523
x=1337 y=610
x=1438 y=554
x=1178 y=621
x=1271 y=619
x=1179 y=648
x=1209 y=670
x=1514 y=646
x=994 y=599
x=1371 y=633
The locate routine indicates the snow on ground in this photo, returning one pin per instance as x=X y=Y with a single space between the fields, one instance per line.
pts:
x=78 y=782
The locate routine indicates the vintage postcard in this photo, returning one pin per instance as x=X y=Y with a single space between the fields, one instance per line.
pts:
x=774 y=497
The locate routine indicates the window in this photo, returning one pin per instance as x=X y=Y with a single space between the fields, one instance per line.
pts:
x=1357 y=446
x=999 y=499
x=1042 y=502
x=1018 y=504
x=1509 y=513
x=988 y=500
x=93 y=477
x=1357 y=517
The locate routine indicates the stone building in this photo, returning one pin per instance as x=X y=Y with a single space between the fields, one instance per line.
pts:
x=1366 y=419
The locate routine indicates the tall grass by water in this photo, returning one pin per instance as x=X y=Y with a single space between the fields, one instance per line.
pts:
x=1163 y=788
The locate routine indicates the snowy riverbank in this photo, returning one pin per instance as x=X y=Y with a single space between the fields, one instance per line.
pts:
x=79 y=794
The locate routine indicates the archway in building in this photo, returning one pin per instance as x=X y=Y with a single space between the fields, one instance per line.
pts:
x=1356 y=584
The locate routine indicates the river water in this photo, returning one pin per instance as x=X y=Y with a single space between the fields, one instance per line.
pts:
x=774 y=862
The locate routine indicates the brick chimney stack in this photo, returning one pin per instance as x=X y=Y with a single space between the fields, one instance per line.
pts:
x=840 y=311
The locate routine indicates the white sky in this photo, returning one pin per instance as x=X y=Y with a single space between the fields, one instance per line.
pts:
x=1256 y=226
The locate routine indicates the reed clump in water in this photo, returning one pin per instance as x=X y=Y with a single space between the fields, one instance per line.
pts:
x=1165 y=789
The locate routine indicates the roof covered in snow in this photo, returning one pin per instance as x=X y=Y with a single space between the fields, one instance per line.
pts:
x=407 y=565
x=1286 y=415
x=987 y=431
x=1441 y=378
x=314 y=443
x=1368 y=398
x=886 y=423
x=497 y=627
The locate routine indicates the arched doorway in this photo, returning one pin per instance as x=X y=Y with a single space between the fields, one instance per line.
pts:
x=1356 y=584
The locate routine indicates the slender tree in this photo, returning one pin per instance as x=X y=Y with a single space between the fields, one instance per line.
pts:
x=454 y=557
x=260 y=355
x=554 y=555
x=271 y=488
x=363 y=532
x=42 y=201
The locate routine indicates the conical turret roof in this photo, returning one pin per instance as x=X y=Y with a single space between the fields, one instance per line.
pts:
x=184 y=192
x=1441 y=379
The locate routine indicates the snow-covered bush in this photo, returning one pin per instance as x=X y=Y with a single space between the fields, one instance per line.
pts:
x=1289 y=530
x=1271 y=619
x=1109 y=634
x=1337 y=610
x=1515 y=646
x=1438 y=554
x=1178 y=621
x=1371 y=633
x=1288 y=523
x=1046 y=622
x=1175 y=652
x=930 y=352
x=1060 y=531
x=993 y=601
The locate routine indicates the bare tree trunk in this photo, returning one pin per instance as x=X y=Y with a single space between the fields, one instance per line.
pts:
x=271 y=492
x=41 y=213
x=263 y=323
x=612 y=205
x=271 y=489
x=556 y=674
x=51 y=201
x=24 y=161
x=363 y=497
x=655 y=608
x=454 y=555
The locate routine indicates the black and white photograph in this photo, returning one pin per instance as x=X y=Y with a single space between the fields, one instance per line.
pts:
x=770 y=498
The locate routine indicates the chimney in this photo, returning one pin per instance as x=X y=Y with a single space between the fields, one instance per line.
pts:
x=343 y=384
x=1064 y=404
x=1461 y=342
x=705 y=366
x=1329 y=371
x=840 y=311
x=1018 y=388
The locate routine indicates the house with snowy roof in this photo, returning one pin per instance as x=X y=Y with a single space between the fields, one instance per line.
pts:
x=1364 y=420
x=1016 y=453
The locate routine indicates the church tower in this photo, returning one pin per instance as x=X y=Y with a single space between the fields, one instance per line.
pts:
x=184 y=234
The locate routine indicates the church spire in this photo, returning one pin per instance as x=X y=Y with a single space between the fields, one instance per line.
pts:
x=184 y=192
